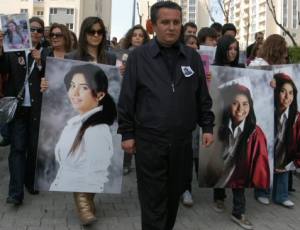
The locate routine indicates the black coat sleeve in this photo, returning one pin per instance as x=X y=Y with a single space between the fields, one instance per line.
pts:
x=127 y=100
x=204 y=102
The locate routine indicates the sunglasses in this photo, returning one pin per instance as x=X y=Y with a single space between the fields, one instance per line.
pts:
x=93 y=32
x=38 y=30
x=57 y=35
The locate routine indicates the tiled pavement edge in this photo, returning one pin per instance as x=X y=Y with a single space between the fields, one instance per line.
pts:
x=55 y=211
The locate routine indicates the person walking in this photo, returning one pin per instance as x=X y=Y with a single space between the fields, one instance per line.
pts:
x=163 y=95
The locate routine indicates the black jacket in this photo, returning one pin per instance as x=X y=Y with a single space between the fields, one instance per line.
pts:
x=16 y=68
x=153 y=101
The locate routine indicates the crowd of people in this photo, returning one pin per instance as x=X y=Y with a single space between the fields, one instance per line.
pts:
x=160 y=105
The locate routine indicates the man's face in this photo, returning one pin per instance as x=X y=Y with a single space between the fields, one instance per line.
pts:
x=259 y=38
x=168 y=26
x=190 y=31
x=230 y=33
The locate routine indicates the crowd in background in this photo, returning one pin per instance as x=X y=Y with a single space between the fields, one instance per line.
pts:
x=92 y=46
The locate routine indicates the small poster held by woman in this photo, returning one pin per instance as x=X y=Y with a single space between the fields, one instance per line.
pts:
x=16 y=32
x=241 y=156
x=79 y=150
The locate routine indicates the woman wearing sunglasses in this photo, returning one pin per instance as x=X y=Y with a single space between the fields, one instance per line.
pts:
x=60 y=40
x=91 y=48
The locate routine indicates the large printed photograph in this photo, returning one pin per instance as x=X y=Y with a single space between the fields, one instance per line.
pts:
x=242 y=154
x=287 y=117
x=79 y=149
x=16 y=32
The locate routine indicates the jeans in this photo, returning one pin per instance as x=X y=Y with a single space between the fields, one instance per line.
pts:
x=239 y=200
x=280 y=187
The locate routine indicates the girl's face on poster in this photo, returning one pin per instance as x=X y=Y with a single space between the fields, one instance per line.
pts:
x=192 y=43
x=36 y=32
x=57 y=38
x=95 y=35
x=12 y=27
x=137 y=38
x=286 y=96
x=232 y=52
x=81 y=95
x=239 y=109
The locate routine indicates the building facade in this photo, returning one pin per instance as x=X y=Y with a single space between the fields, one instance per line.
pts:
x=68 y=12
x=192 y=11
x=251 y=16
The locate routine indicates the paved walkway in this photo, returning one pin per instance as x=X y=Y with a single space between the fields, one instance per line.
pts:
x=55 y=211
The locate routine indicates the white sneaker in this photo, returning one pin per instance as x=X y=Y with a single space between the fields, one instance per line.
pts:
x=187 y=199
x=263 y=200
x=243 y=222
x=288 y=204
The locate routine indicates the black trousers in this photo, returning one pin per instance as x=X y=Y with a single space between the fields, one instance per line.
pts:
x=23 y=150
x=160 y=177
x=239 y=200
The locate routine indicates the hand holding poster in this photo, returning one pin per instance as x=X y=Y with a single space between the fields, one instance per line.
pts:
x=78 y=114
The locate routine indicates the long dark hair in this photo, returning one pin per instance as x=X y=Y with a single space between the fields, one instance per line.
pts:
x=229 y=93
x=221 y=56
x=282 y=79
x=66 y=35
x=129 y=35
x=10 y=33
x=86 y=26
x=97 y=82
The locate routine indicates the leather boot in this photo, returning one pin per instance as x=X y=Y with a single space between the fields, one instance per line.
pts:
x=84 y=208
x=92 y=203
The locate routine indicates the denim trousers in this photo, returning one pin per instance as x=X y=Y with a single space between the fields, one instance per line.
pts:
x=238 y=198
x=280 y=188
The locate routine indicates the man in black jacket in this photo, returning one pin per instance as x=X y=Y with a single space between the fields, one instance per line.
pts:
x=164 y=94
x=24 y=128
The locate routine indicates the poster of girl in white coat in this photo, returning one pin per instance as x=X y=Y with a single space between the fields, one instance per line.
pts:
x=86 y=156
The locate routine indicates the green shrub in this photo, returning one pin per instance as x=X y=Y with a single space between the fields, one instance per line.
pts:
x=294 y=54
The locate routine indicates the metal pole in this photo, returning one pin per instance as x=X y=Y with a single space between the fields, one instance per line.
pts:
x=133 y=13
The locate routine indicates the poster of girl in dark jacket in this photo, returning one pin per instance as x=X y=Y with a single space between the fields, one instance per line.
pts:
x=241 y=156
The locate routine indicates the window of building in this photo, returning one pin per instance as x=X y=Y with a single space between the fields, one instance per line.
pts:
x=53 y=10
x=24 y=11
x=40 y=13
x=70 y=11
x=70 y=26
x=295 y=13
x=285 y=13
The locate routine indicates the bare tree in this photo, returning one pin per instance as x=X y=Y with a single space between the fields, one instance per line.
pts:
x=209 y=10
x=225 y=10
x=223 y=7
x=272 y=9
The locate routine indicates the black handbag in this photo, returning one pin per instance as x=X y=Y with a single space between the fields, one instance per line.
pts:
x=8 y=105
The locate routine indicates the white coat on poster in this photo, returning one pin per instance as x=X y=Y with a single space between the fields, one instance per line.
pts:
x=241 y=155
x=77 y=151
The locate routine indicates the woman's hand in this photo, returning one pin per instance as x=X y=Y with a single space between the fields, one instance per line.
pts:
x=122 y=69
x=44 y=85
x=280 y=170
x=273 y=83
x=36 y=55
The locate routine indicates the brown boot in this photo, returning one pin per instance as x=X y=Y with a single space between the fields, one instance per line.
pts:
x=84 y=208
x=92 y=203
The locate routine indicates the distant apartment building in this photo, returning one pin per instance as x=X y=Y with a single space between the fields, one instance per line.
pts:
x=68 y=12
x=192 y=11
x=251 y=16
